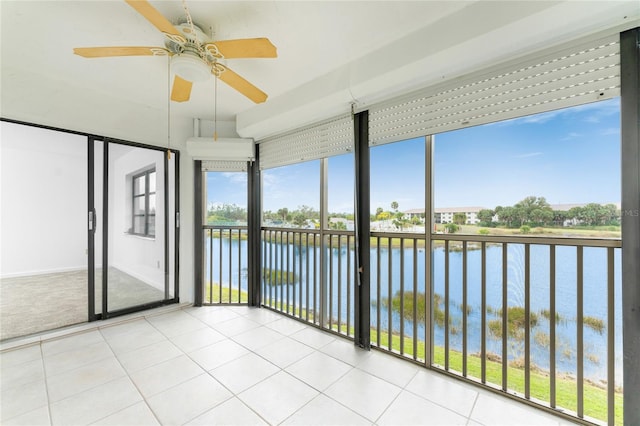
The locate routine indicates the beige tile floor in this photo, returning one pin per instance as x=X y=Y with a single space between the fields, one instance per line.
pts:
x=232 y=366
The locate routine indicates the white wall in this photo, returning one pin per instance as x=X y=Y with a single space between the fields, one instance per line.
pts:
x=43 y=201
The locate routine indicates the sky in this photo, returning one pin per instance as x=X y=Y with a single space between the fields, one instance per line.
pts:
x=567 y=156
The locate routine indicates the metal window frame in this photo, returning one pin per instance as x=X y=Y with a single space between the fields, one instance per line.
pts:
x=362 y=293
x=630 y=152
x=146 y=174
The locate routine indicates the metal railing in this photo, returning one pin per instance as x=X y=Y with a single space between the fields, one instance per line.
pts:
x=309 y=274
x=225 y=265
x=398 y=293
x=533 y=317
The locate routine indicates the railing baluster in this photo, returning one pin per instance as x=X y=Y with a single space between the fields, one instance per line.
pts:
x=402 y=296
x=349 y=285
x=483 y=314
x=464 y=308
x=611 y=354
x=240 y=266
x=210 y=265
x=293 y=271
x=307 y=255
x=316 y=318
x=378 y=291
x=390 y=295
x=339 y=283
x=273 y=254
x=288 y=270
x=415 y=299
x=230 y=266
x=527 y=321
x=300 y=275
x=282 y=272
x=220 y=260
x=580 y=332
x=263 y=255
x=330 y=282
x=552 y=326
x=505 y=359
x=265 y=265
x=446 y=305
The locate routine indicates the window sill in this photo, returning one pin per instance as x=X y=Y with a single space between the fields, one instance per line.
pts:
x=141 y=237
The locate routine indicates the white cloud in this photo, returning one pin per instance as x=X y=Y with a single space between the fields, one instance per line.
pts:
x=571 y=135
x=528 y=154
x=593 y=111
x=236 y=177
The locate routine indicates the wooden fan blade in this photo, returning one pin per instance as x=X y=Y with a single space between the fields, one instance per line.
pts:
x=243 y=48
x=181 y=90
x=241 y=85
x=152 y=15
x=102 y=52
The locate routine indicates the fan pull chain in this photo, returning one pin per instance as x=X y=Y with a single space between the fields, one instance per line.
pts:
x=215 y=109
x=169 y=107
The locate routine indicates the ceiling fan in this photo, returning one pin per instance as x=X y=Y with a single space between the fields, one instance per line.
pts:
x=193 y=56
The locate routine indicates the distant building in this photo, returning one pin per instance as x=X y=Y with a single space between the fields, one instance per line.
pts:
x=445 y=214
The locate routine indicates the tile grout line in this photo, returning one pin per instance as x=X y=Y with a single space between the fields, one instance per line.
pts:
x=283 y=370
x=388 y=406
x=475 y=401
x=46 y=384
x=233 y=394
x=208 y=372
x=49 y=402
x=130 y=380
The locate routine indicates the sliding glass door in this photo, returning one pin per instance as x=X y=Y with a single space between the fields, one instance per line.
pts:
x=88 y=228
x=134 y=247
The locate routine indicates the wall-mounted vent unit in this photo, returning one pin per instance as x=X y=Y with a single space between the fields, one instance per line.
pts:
x=223 y=149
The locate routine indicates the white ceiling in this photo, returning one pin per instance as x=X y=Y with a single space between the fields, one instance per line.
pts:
x=330 y=54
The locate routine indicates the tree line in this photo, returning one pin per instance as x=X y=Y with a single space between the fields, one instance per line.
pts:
x=302 y=217
x=532 y=211
x=536 y=211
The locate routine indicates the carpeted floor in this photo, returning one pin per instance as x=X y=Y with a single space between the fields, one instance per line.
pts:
x=37 y=303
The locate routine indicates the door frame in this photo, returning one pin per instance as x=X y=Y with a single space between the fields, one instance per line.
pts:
x=95 y=220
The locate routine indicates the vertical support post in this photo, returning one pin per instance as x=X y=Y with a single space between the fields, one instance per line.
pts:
x=325 y=277
x=198 y=242
x=254 y=212
x=428 y=262
x=105 y=232
x=630 y=121
x=91 y=234
x=176 y=237
x=362 y=324
x=167 y=229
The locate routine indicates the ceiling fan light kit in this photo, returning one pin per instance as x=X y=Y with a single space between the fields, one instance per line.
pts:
x=190 y=67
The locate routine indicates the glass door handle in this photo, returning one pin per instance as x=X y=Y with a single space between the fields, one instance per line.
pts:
x=93 y=221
